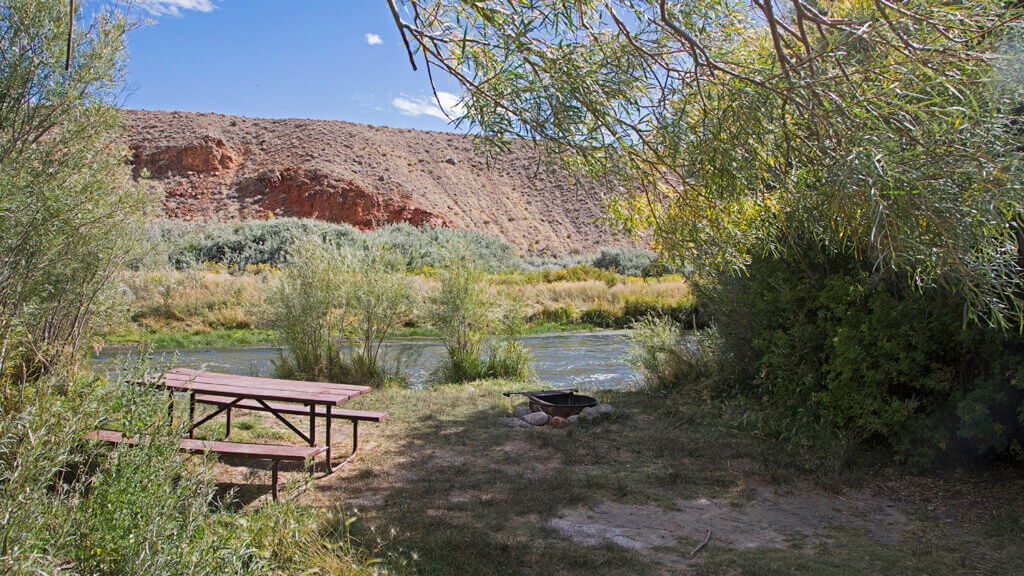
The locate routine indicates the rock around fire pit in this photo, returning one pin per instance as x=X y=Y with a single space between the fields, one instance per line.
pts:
x=555 y=408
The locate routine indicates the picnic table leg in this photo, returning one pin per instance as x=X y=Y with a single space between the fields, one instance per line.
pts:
x=191 y=412
x=355 y=436
x=330 y=467
x=227 y=434
x=312 y=432
x=170 y=406
x=273 y=480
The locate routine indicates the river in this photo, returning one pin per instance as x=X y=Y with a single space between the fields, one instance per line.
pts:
x=564 y=360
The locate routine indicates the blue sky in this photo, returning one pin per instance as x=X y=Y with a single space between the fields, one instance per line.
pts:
x=330 y=59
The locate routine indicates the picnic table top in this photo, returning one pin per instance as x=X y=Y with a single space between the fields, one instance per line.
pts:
x=202 y=382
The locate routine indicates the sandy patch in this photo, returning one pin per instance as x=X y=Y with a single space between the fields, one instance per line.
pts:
x=766 y=520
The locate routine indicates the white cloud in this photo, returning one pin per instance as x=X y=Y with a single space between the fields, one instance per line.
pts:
x=373 y=39
x=175 y=7
x=427 y=106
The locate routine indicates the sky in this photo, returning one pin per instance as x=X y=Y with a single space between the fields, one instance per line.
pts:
x=327 y=59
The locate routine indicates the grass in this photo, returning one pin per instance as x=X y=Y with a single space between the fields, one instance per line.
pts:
x=211 y=308
x=464 y=494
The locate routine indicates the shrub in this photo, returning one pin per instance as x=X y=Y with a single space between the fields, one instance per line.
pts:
x=509 y=358
x=68 y=210
x=625 y=261
x=249 y=243
x=460 y=310
x=308 y=309
x=327 y=297
x=379 y=298
x=667 y=358
x=600 y=316
x=845 y=357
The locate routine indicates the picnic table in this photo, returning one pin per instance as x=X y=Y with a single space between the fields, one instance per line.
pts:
x=278 y=397
x=227 y=392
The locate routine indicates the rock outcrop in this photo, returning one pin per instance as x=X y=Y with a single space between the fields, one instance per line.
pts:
x=217 y=167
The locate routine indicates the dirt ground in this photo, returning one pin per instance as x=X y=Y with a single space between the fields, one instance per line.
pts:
x=636 y=493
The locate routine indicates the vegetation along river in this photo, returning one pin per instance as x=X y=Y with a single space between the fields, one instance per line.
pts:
x=568 y=359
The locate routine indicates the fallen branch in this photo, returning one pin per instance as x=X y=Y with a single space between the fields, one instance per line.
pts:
x=702 y=544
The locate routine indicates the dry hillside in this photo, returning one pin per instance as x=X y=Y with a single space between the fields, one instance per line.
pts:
x=218 y=167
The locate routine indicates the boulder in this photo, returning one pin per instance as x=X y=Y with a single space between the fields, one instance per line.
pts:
x=536 y=418
x=558 y=422
x=572 y=419
x=520 y=411
x=603 y=409
x=589 y=413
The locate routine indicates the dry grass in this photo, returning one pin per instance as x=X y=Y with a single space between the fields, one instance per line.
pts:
x=181 y=307
x=585 y=294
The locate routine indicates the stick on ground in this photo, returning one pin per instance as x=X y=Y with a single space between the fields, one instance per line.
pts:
x=702 y=544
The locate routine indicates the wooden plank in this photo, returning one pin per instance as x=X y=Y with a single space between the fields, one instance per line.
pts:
x=184 y=381
x=218 y=378
x=268 y=451
x=238 y=391
x=271 y=451
x=295 y=409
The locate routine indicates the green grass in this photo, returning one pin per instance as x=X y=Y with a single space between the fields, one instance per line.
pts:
x=206 y=339
x=257 y=337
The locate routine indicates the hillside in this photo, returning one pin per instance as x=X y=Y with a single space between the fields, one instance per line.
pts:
x=219 y=167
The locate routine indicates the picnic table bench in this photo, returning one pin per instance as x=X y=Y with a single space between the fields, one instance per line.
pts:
x=227 y=392
x=273 y=452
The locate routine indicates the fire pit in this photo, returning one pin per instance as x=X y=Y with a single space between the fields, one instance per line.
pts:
x=562 y=403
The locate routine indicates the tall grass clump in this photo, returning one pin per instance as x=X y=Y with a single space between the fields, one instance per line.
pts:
x=668 y=358
x=508 y=358
x=334 y=308
x=465 y=313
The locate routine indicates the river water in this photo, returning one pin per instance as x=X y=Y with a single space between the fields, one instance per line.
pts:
x=563 y=360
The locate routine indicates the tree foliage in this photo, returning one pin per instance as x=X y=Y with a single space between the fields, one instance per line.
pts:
x=68 y=210
x=729 y=129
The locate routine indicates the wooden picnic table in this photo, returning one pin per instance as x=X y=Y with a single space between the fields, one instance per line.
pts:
x=272 y=395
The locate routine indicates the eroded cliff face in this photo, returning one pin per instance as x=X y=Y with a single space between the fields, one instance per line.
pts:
x=216 y=167
x=313 y=193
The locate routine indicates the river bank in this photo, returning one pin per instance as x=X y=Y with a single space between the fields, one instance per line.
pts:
x=210 y=307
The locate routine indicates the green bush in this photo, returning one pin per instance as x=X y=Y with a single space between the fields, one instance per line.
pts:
x=308 y=310
x=328 y=297
x=848 y=357
x=667 y=358
x=464 y=313
x=601 y=316
x=68 y=210
x=460 y=309
x=509 y=358
x=564 y=314
x=626 y=262
x=254 y=242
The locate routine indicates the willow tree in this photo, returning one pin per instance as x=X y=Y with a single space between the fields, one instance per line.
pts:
x=69 y=212
x=728 y=129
